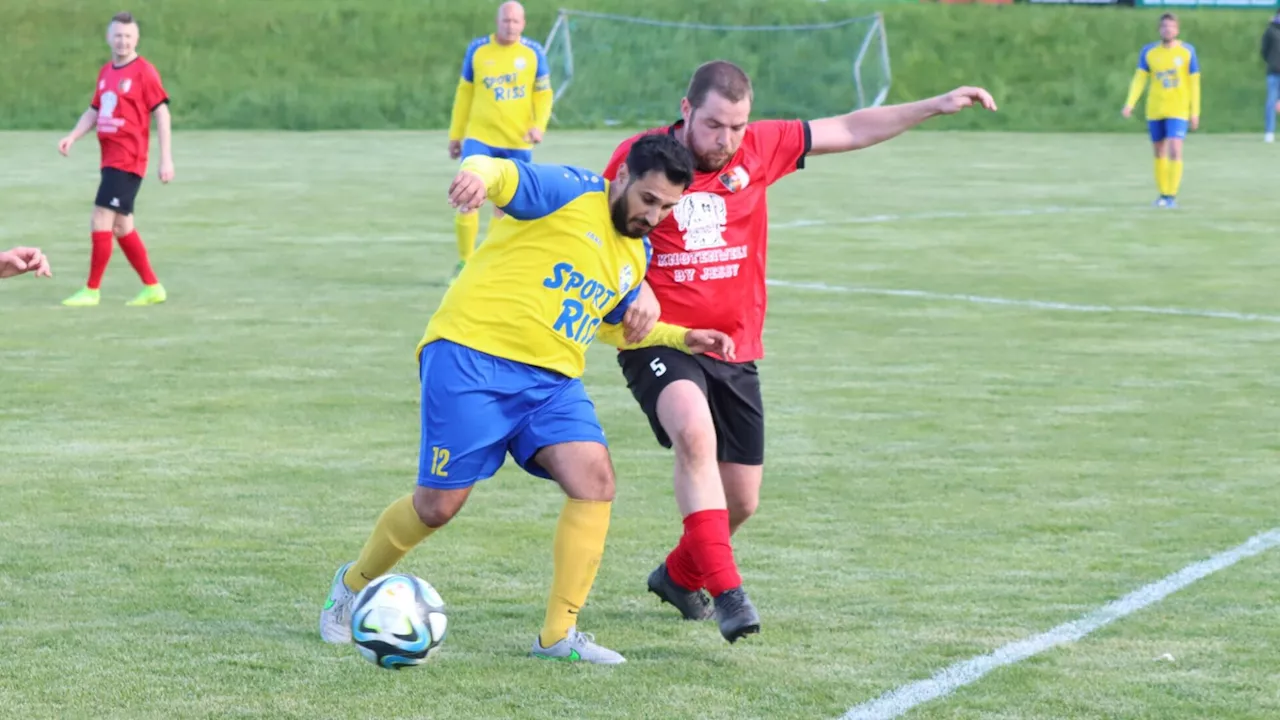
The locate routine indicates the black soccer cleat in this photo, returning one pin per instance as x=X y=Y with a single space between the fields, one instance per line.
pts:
x=692 y=604
x=736 y=615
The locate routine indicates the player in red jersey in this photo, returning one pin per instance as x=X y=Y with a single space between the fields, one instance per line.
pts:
x=708 y=269
x=129 y=94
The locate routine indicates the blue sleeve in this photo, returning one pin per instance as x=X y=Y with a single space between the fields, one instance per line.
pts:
x=544 y=69
x=1194 y=66
x=1142 y=59
x=544 y=189
x=615 y=315
x=468 y=61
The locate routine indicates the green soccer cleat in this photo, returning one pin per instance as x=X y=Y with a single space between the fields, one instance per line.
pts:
x=577 y=647
x=457 y=270
x=84 y=297
x=150 y=295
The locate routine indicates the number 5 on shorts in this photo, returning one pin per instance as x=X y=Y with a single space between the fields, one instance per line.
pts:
x=657 y=367
x=439 y=459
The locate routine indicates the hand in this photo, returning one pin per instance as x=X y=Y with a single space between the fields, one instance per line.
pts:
x=467 y=191
x=963 y=97
x=533 y=136
x=166 y=170
x=643 y=314
x=705 y=341
x=64 y=145
x=1195 y=123
x=455 y=149
x=1126 y=112
x=23 y=260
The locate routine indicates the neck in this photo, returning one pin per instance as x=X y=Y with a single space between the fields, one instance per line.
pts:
x=498 y=39
x=122 y=59
x=1169 y=43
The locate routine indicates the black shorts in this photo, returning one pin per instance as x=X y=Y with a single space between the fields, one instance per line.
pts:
x=732 y=390
x=118 y=190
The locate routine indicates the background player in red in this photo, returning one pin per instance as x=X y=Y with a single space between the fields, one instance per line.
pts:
x=708 y=270
x=129 y=93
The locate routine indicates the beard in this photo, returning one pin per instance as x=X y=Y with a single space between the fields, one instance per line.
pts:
x=622 y=222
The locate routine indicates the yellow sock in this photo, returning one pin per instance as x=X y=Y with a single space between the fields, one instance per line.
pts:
x=1162 y=175
x=397 y=532
x=579 y=545
x=1174 y=178
x=467 y=226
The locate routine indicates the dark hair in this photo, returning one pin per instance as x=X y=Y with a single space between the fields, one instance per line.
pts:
x=725 y=78
x=124 y=18
x=664 y=153
x=1168 y=16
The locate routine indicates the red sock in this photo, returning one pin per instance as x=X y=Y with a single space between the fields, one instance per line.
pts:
x=708 y=534
x=99 y=258
x=133 y=249
x=681 y=567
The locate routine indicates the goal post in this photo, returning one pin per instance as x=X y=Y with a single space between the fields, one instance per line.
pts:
x=619 y=70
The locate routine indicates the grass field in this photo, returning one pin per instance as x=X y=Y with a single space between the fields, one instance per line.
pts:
x=944 y=476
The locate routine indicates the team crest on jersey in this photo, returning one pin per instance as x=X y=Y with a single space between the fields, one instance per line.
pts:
x=102 y=84
x=625 y=279
x=124 y=85
x=702 y=217
x=520 y=63
x=736 y=179
x=1177 y=62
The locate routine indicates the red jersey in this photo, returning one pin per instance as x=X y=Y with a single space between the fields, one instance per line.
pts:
x=708 y=265
x=124 y=99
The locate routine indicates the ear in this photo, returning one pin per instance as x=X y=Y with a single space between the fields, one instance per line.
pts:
x=624 y=175
x=686 y=109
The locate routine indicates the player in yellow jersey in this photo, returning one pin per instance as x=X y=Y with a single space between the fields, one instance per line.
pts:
x=501 y=106
x=501 y=360
x=1174 y=98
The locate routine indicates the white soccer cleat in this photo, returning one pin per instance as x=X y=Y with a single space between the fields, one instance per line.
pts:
x=577 y=647
x=1269 y=137
x=335 y=618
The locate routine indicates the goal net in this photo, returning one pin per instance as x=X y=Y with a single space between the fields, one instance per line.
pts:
x=618 y=70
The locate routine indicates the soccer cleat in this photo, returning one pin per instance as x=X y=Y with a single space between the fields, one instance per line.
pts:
x=577 y=647
x=1171 y=202
x=84 y=297
x=457 y=270
x=736 y=615
x=692 y=604
x=1161 y=202
x=335 y=618
x=150 y=295
x=1269 y=138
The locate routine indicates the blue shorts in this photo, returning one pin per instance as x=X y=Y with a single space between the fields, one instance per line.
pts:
x=476 y=408
x=475 y=147
x=1170 y=128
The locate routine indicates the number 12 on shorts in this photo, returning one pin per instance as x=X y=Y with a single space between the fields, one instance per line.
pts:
x=439 y=459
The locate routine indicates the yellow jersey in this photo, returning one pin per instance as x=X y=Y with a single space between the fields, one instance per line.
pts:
x=1175 y=81
x=504 y=91
x=551 y=276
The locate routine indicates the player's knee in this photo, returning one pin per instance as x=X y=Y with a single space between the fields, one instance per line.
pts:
x=123 y=225
x=435 y=509
x=102 y=219
x=741 y=509
x=595 y=481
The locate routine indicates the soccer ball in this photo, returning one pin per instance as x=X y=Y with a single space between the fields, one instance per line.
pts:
x=398 y=621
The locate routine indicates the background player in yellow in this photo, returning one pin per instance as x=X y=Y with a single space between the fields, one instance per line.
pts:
x=501 y=107
x=1174 y=71
x=502 y=358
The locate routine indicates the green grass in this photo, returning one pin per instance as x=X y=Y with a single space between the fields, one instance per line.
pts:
x=943 y=477
x=393 y=64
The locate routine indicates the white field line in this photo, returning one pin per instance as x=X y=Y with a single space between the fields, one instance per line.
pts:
x=897 y=702
x=942 y=215
x=1036 y=304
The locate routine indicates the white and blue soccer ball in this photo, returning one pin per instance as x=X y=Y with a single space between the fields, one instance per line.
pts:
x=398 y=621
